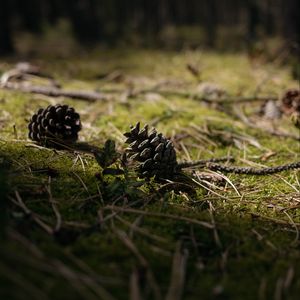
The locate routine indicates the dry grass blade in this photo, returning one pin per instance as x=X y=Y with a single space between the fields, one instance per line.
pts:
x=142 y=231
x=135 y=293
x=160 y=215
x=27 y=211
x=54 y=207
x=86 y=283
x=278 y=221
x=144 y=263
x=215 y=232
x=24 y=286
x=176 y=286
x=210 y=190
x=296 y=240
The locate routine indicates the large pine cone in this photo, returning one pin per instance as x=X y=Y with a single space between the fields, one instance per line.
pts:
x=290 y=105
x=154 y=153
x=54 y=125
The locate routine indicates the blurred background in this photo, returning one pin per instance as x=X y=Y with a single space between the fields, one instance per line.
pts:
x=62 y=27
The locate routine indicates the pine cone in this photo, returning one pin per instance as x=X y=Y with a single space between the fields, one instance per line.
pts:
x=59 y=122
x=154 y=153
x=290 y=102
x=290 y=105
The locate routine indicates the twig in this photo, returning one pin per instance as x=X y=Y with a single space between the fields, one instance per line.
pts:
x=252 y=171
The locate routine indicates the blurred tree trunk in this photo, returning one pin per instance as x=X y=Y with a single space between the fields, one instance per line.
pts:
x=269 y=18
x=86 y=23
x=291 y=25
x=6 y=43
x=210 y=22
x=31 y=14
x=253 y=20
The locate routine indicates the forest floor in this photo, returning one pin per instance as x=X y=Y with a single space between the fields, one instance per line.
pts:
x=69 y=234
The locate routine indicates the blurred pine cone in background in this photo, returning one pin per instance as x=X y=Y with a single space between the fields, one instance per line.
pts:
x=290 y=105
x=55 y=125
x=154 y=154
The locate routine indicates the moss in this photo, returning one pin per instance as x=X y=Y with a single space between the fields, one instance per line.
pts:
x=255 y=247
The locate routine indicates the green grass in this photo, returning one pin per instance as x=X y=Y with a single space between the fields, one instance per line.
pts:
x=253 y=252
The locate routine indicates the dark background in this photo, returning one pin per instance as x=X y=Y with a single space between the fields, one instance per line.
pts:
x=111 y=21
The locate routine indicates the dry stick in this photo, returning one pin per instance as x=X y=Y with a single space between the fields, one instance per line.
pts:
x=88 y=96
x=178 y=274
x=91 y=96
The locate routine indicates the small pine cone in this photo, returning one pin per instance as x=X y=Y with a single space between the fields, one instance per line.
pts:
x=154 y=153
x=59 y=122
x=290 y=102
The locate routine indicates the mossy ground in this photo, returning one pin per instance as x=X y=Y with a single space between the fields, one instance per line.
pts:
x=101 y=253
